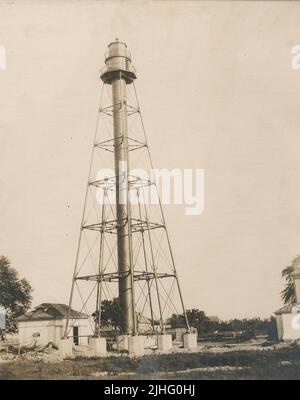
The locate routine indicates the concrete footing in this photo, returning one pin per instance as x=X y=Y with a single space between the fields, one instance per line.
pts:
x=136 y=346
x=66 y=347
x=190 y=341
x=164 y=342
x=122 y=342
x=98 y=345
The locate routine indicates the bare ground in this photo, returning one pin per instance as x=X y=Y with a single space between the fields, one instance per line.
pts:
x=247 y=361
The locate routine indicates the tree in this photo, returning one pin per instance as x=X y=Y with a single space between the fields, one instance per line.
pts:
x=110 y=313
x=211 y=328
x=288 y=293
x=15 y=294
x=194 y=316
x=197 y=319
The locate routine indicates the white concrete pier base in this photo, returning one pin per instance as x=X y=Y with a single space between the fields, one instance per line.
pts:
x=164 y=342
x=122 y=342
x=136 y=346
x=98 y=346
x=190 y=341
x=66 y=347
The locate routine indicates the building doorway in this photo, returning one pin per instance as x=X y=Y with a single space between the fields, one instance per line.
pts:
x=75 y=335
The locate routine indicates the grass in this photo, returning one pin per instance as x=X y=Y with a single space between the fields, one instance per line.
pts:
x=269 y=364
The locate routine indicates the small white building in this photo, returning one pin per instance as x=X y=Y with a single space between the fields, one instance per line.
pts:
x=144 y=324
x=288 y=317
x=46 y=323
x=288 y=322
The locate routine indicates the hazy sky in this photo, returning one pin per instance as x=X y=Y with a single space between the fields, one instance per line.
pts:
x=217 y=92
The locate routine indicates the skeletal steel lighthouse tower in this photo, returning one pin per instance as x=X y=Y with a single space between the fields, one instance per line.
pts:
x=124 y=249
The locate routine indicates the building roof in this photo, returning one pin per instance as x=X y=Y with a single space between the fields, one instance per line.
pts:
x=49 y=311
x=142 y=319
x=287 y=309
x=214 y=318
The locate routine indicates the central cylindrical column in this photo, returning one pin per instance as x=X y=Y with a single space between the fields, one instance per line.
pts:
x=119 y=72
x=122 y=206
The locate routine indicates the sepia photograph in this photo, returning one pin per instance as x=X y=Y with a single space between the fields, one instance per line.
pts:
x=149 y=204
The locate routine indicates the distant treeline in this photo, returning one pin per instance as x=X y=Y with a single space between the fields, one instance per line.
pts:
x=207 y=327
